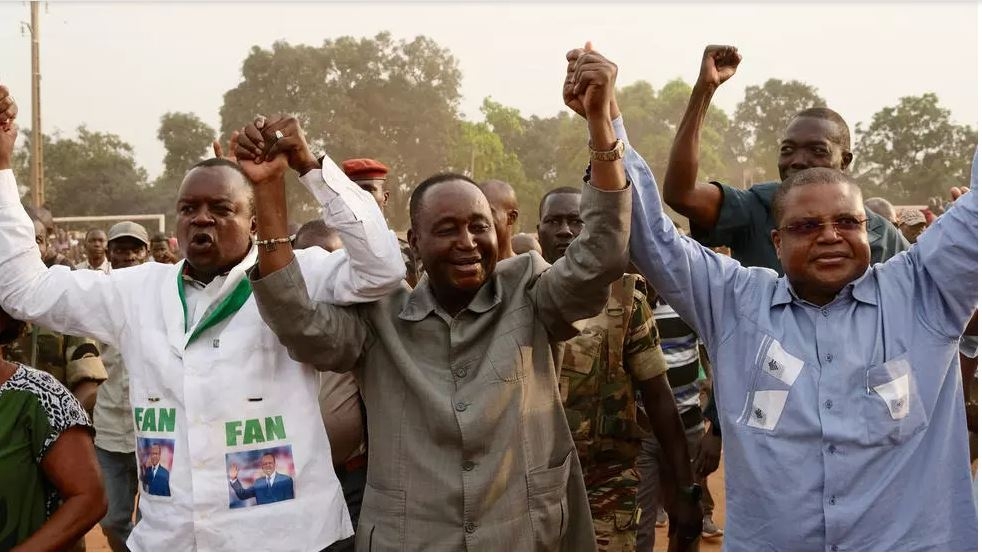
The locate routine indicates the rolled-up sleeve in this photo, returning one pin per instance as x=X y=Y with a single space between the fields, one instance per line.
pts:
x=327 y=336
x=84 y=361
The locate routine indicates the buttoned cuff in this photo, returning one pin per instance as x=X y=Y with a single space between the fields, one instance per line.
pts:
x=9 y=195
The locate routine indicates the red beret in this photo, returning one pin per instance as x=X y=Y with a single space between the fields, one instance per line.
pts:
x=364 y=169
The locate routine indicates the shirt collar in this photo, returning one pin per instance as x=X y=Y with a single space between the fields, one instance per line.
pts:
x=862 y=289
x=422 y=302
x=244 y=264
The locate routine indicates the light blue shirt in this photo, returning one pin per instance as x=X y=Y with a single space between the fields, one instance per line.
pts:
x=844 y=425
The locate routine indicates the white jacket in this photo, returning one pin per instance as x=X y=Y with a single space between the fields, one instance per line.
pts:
x=226 y=394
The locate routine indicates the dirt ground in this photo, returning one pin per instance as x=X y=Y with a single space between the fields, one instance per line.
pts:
x=96 y=541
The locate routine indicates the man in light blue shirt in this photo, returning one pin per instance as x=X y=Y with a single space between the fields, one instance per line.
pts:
x=837 y=384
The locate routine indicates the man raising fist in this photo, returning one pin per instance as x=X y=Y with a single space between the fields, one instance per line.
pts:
x=721 y=215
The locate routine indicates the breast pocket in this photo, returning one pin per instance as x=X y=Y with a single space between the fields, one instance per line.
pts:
x=774 y=373
x=893 y=408
x=511 y=351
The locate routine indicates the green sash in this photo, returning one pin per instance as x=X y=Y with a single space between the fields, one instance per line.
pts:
x=229 y=305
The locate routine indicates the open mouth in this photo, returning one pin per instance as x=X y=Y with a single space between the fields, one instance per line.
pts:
x=202 y=241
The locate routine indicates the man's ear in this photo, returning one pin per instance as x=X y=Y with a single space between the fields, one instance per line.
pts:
x=252 y=225
x=776 y=239
x=385 y=198
x=846 y=159
x=512 y=217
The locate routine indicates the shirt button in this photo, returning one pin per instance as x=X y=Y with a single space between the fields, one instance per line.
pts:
x=461 y=406
x=469 y=527
x=832 y=500
x=825 y=312
x=828 y=357
x=828 y=404
x=834 y=548
x=832 y=449
x=460 y=373
x=468 y=465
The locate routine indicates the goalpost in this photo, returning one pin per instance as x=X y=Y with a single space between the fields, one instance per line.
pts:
x=159 y=217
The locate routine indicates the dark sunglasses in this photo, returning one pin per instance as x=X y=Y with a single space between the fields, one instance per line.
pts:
x=809 y=228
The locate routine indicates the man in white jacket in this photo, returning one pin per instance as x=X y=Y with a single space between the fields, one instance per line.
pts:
x=210 y=384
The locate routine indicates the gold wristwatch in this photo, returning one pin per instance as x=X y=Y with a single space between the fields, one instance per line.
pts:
x=613 y=154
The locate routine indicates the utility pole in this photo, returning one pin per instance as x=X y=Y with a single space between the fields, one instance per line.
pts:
x=36 y=141
x=37 y=147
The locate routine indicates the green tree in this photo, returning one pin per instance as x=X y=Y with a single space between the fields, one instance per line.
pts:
x=479 y=153
x=653 y=117
x=187 y=140
x=760 y=120
x=395 y=101
x=913 y=151
x=93 y=174
x=551 y=150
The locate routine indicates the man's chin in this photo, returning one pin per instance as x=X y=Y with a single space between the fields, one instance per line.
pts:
x=202 y=264
x=469 y=284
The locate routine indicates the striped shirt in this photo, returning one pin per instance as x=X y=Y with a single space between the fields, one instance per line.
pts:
x=681 y=348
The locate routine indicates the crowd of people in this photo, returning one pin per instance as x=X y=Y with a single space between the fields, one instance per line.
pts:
x=336 y=385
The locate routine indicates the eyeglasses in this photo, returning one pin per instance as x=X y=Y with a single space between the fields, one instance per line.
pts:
x=840 y=225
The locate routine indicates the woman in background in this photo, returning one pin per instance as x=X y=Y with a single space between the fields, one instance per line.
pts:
x=51 y=490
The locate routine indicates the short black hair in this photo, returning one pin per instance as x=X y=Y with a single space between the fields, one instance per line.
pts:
x=12 y=331
x=560 y=190
x=158 y=237
x=842 y=136
x=416 y=200
x=222 y=162
x=316 y=228
x=90 y=231
x=812 y=175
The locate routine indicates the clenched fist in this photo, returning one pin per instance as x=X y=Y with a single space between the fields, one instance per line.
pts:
x=719 y=63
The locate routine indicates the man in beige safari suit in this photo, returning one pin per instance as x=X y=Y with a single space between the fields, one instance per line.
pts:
x=470 y=445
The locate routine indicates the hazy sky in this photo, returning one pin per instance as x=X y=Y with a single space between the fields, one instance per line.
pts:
x=119 y=66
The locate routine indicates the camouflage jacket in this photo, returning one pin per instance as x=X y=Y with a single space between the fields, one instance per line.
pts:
x=614 y=347
x=67 y=358
x=414 y=268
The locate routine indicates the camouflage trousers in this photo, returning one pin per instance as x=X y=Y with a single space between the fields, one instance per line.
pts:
x=612 y=489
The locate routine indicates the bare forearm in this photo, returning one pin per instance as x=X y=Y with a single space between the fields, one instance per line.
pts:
x=86 y=393
x=682 y=192
x=659 y=403
x=76 y=516
x=271 y=222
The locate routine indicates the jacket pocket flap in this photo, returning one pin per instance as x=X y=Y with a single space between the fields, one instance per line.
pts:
x=548 y=479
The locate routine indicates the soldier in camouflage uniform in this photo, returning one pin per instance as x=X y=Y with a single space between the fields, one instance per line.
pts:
x=617 y=352
x=71 y=360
